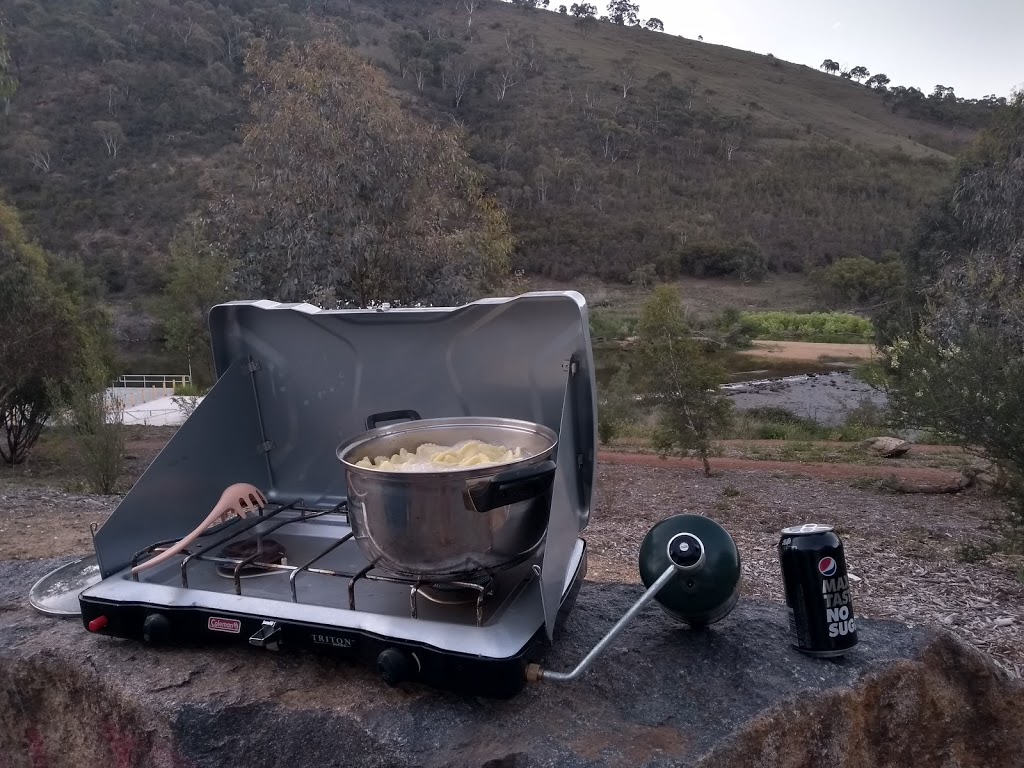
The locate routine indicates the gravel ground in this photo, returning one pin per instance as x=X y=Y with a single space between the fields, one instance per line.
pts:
x=908 y=551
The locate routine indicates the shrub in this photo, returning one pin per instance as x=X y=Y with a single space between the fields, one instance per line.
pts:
x=187 y=404
x=812 y=326
x=672 y=371
x=51 y=333
x=188 y=390
x=23 y=413
x=618 y=406
x=954 y=345
x=859 y=280
x=644 y=276
x=609 y=325
x=95 y=420
x=742 y=258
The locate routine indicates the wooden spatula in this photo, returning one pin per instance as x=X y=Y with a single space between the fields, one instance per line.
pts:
x=237 y=500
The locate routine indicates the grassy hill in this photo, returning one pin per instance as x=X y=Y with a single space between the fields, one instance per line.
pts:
x=613 y=149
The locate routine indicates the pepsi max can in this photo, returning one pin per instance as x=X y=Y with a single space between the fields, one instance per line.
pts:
x=817 y=590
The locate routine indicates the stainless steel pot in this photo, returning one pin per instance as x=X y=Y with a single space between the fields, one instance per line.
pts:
x=450 y=524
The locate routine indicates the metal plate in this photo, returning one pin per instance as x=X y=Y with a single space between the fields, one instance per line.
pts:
x=56 y=594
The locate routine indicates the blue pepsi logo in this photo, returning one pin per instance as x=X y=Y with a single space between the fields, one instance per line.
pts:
x=827 y=566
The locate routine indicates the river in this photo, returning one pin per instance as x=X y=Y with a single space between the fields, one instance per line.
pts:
x=824 y=392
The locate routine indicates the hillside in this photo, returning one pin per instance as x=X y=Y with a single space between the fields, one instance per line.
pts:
x=611 y=148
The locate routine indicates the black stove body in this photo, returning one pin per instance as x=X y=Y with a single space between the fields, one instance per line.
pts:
x=293 y=383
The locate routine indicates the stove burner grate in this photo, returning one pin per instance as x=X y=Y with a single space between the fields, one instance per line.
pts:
x=456 y=592
x=255 y=553
x=240 y=556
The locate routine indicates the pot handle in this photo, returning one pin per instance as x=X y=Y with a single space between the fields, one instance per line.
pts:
x=376 y=418
x=514 y=486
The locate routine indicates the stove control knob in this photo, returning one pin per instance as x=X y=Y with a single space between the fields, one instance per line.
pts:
x=156 y=629
x=395 y=667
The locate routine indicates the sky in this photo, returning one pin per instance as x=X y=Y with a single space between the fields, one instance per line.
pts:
x=975 y=46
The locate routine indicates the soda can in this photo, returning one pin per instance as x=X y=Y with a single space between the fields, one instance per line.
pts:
x=817 y=590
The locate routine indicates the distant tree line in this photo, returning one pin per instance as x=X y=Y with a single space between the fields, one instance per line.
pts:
x=941 y=105
x=621 y=12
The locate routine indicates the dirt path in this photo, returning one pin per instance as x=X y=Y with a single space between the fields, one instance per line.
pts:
x=805 y=351
x=821 y=471
x=921 y=449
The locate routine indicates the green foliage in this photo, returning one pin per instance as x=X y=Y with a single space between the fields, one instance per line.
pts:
x=95 y=423
x=607 y=324
x=872 y=373
x=769 y=423
x=197 y=278
x=859 y=280
x=731 y=326
x=811 y=326
x=942 y=105
x=643 y=276
x=674 y=374
x=357 y=200
x=742 y=259
x=52 y=336
x=631 y=181
x=8 y=82
x=189 y=390
x=618 y=405
x=954 y=345
x=24 y=411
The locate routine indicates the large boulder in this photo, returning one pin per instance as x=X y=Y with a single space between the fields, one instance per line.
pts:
x=661 y=695
x=887 y=447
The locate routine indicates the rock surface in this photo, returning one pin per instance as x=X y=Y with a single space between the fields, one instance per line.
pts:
x=735 y=695
x=887 y=447
x=827 y=398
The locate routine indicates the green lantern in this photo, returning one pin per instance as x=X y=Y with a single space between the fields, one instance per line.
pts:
x=705 y=587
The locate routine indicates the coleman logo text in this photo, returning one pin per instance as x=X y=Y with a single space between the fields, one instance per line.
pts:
x=836 y=594
x=224 y=625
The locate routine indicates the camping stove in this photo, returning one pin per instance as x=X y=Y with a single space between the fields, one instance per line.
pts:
x=293 y=382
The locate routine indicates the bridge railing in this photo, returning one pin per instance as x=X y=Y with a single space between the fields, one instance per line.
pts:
x=152 y=380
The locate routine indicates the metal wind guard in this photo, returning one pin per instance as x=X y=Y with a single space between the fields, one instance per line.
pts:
x=318 y=374
x=215 y=447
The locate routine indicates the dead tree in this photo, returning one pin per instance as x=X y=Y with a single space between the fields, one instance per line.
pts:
x=506 y=79
x=625 y=69
x=460 y=80
x=731 y=143
x=470 y=6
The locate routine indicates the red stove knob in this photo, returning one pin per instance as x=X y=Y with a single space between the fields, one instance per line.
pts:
x=98 y=623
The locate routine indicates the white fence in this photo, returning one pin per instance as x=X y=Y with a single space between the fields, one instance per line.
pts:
x=136 y=389
x=149 y=398
x=154 y=380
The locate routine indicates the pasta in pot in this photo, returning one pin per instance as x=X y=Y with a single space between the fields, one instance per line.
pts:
x=431 y=457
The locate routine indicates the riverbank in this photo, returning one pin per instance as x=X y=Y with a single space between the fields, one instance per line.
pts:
x=806 y=351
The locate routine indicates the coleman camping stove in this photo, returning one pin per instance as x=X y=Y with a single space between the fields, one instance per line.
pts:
x=293 y=382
